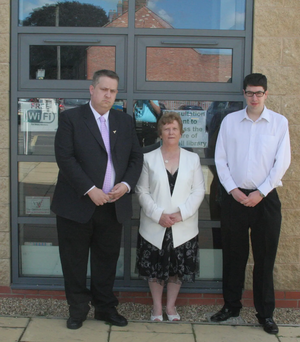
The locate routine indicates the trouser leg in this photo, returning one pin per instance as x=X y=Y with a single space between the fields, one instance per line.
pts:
x=74 y=241
x=105 y=250
x=235 y=241
x=264 y=238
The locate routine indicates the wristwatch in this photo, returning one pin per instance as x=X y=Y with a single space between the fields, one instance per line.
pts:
x=261 y=194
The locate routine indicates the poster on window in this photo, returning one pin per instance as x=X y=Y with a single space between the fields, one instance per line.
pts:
x=37 y=205
x=38 y=116
x=194 y=126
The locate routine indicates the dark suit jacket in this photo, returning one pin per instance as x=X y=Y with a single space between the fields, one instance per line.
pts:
x=82 y=158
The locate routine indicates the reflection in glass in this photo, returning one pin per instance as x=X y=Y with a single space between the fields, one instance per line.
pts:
x=36 y=187
x=70 y=62
x=146 y=115
x=201 y=122
x=190 y=14
x=38 y=122
x=188 y=65
x=39 y=255
x=86 y=13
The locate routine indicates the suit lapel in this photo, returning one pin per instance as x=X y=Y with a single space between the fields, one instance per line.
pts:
x=91 y=123
x=113 y=129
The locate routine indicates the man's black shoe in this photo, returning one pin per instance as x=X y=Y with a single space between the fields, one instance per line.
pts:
x=224 y=314
x=74 y=323
x=112 y=317
x=269 y=325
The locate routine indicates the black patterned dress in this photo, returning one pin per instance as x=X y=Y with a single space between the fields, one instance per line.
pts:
x=158 y=265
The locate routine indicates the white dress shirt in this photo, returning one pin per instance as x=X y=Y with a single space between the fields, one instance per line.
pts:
x=253 y=154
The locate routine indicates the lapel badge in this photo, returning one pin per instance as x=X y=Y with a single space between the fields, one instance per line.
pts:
x=115 y=132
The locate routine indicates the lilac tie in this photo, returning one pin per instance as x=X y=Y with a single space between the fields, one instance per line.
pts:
x=105 y=136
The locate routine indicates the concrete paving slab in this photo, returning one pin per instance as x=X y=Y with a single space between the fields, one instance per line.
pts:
x=222 y=333
x=10 y=334
x=13 y=322
x=289 y=334
x=55 y=330
x=153 y=327
x=121 y=336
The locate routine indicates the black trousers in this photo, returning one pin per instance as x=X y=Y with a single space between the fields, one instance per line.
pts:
x=264 y=221
x=101 y=236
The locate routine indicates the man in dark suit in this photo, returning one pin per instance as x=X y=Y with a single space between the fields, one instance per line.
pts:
x=99 y=160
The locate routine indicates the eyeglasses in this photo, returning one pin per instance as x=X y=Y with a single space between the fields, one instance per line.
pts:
x=257 y=93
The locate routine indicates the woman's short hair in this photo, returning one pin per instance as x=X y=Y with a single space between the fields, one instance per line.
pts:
x=168 y=118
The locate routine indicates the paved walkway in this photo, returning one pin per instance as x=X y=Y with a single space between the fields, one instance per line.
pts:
x=54 y=330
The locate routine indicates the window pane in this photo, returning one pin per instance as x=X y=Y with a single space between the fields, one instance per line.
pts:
x=190 y=14
x=85 y=13
x=36 y=187
x=38 y=122
x=70 y=62
x=188 y=65
x=201 y=122
x=39 y=254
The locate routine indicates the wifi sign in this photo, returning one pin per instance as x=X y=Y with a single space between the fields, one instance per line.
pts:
x=38 y=116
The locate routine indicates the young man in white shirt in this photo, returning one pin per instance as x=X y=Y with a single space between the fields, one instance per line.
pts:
x=252 y=155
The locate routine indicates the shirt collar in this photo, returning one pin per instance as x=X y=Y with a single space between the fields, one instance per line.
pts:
x=97 y=115
x=264 y=115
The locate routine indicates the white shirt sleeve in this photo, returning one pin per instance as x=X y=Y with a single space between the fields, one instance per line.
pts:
x=282 y=161
x=221 y=160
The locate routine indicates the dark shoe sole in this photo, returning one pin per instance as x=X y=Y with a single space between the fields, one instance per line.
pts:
x=74 y=326
x=118 y=324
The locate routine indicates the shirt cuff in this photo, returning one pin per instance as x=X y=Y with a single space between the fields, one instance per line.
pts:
x=89 y=190
x=128 y=187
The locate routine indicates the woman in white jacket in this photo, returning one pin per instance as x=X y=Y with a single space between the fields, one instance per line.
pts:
x=170 y=191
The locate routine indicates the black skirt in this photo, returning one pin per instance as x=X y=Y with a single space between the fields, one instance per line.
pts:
x=158 y=265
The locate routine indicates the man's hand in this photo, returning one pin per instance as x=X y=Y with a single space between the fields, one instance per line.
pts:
x=238 y=195
x=117 y=191
x=98 y=196
x=252 y=199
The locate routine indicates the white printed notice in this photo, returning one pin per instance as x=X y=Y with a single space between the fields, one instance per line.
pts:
x=41 y=116
x=36 y=205
x=194 y=126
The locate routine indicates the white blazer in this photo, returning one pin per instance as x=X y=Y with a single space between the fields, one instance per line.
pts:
x=155 y=197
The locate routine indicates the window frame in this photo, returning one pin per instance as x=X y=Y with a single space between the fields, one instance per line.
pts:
x=132 y=87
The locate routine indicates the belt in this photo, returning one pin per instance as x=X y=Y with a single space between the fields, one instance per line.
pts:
x=247 y=191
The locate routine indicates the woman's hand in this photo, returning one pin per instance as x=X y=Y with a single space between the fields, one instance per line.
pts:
x=176 y=217
x=166 y=220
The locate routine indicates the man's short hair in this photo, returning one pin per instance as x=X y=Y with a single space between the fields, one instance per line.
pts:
x=104 y=72
x=256 y=80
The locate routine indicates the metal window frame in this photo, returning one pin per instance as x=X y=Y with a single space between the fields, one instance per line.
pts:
x=130 y=70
